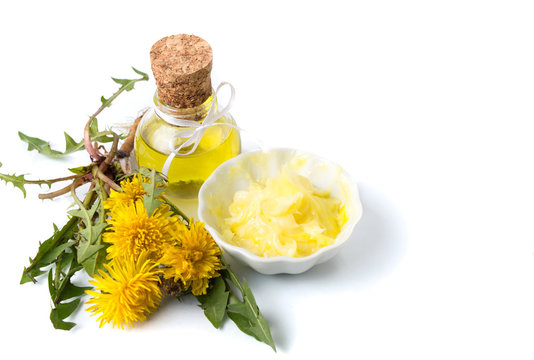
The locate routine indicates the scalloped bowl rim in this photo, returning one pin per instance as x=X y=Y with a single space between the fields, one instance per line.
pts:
x=341 y=239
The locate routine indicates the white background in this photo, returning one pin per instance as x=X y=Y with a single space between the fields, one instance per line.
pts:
x=428 y=104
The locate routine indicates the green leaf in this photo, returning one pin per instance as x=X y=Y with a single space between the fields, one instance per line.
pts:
x=89 y=246
x=246 y=315
x=70 y=291
x=88 y=251
x=151 y=204
x=41 y=259
x=52 y=255
x=84 y=214
x=43 y=146
x=97 y=135
x=96 y=261
x=153 y=191
x=93 y=127
x=71 y=145
x=66 y=260
x=96 y=231
x=40 y=145
x=80 y=170
x=103 y=100
x=214 y=302
x=66 y=309
x=61 y=312
x=62 y=289
x=59 y=323
x=144 y=75
x=30 y=275
x=18 y=181
x=127 y=84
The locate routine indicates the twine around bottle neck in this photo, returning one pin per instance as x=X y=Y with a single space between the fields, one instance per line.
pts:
x=195 y=129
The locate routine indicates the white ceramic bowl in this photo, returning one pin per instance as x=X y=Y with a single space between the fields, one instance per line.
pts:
x=217 y=193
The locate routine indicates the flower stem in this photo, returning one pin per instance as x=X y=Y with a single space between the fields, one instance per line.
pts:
x=108 y=181
x=51 y=181
x=78 y=180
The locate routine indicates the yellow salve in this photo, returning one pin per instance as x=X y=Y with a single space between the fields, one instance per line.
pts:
x=286 y=216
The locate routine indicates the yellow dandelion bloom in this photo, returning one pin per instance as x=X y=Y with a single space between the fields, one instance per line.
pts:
x=132 y=231
x=133 y=191
x=194 y=261
x=127 y=293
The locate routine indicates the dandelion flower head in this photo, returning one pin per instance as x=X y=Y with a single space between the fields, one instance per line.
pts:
x=132 y=231
x=195 y=260
x=132 y=191
x=127 y=292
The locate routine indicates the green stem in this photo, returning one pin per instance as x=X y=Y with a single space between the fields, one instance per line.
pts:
x=66 y=189
x=112 y=152
x=51 y=181
x=232 y=276
x=83 y=209
x=253 y=308
x=56 y=278
x=87 y=137
x=102 y=219
x=59 y=291
x=108 y=181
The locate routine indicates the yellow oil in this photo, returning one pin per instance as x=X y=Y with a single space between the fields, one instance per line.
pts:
x=187 y=173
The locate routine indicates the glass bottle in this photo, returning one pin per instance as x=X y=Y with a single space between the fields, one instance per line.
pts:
x=156 y=139
x=181 y=135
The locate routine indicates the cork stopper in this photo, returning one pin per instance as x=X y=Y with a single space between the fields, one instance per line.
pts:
x=182 y=65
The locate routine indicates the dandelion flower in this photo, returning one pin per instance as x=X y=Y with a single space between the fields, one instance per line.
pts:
x=133 y=191
x=132 y=231
x=193 y=261
x=127 y=293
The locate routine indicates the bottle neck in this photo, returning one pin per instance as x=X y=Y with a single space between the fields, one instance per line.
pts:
x=180 y=116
